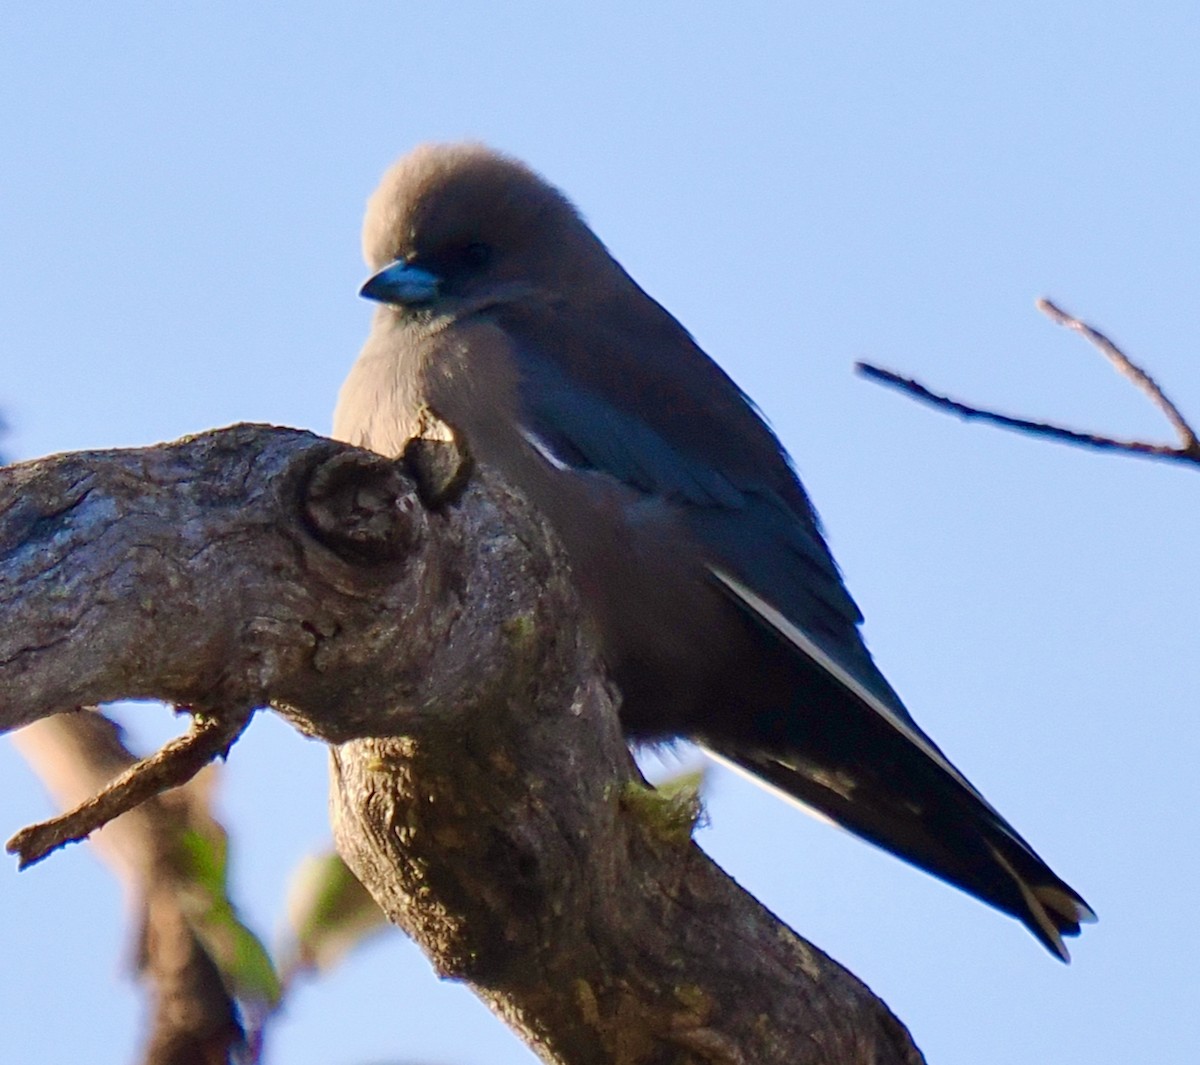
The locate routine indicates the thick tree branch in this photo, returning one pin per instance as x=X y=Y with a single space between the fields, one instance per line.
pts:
x=1187 y=450
x=482 y=789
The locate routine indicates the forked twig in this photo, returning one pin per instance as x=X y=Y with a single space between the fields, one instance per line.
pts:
x=174 y=764
x=1187 y=450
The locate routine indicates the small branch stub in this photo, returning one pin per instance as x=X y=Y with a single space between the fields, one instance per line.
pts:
x=210 y=737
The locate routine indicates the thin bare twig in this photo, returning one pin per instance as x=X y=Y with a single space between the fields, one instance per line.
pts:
x=1188 y=449
x=176 y=763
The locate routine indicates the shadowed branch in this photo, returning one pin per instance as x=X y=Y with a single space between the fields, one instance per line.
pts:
x=482 y=789
x=193 y=1017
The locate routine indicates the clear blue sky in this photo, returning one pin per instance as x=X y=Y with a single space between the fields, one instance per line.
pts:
x=180 y=194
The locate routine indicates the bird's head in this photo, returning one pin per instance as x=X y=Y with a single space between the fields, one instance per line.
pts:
x=458 y=228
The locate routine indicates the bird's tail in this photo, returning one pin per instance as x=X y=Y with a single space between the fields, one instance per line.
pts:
x=935 y=824
x=841 y=743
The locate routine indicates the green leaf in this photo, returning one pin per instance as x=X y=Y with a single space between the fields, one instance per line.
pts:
x=239 y=954
x=329 y=914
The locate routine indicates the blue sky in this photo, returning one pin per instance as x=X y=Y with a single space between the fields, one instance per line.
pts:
x=181 y=188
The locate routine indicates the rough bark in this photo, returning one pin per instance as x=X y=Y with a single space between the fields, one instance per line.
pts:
x=481 y=787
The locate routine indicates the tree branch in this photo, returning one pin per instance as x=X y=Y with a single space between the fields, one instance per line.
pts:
x=194 y=1019
x=1187 y=450
x=172 y=766
x=482 y=789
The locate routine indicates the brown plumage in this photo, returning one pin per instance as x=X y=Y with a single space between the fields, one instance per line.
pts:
x=722 y=614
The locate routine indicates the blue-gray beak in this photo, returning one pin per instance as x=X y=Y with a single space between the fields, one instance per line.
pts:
x=401 y=283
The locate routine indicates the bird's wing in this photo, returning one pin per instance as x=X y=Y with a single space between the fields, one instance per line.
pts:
x=763 y=548
x=753 y=538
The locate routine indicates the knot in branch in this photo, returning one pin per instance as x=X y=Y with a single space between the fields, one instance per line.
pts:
x=363 y=507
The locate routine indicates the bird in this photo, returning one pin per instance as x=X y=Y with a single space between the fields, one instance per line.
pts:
x=700 y=560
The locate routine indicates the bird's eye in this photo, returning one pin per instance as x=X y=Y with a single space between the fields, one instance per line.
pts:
x=476 y=254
